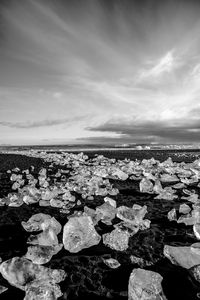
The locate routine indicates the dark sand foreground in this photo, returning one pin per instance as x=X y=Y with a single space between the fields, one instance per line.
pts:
x=87 y=275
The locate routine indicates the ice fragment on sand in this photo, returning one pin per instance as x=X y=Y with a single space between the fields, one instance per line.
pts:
x=145 y=285
x=79 y=233
x=117 y=239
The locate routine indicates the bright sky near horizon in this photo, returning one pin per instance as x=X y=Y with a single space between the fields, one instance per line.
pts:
x=97 y=71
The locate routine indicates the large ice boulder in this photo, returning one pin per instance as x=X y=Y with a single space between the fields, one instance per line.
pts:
x=21 y=272
x=145 y=285
x=185 y=256
x=133 y=216
x=79 y=233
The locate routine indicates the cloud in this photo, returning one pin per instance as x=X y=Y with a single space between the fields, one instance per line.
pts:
x=152 y=131
x=165 y=65
x=57 y=95
x=43 y=123
x=136 y=62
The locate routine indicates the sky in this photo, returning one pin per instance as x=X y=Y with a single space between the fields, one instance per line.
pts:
x=99 y=71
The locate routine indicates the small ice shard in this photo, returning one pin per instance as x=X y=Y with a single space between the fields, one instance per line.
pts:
x=3 y=289
x=157 y=187
x=112 y=263
x=172 y=215
x=146 y=186
x=196 y=230
x=184 y=209
x=111 y=201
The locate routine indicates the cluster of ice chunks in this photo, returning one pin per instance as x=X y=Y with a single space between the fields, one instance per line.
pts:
x=91 y=177
x=45 y=244
x=79 y=232
x=37 y=281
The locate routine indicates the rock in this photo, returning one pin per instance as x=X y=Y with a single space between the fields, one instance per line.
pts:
x=79 y=233
x=112 y=263
x=172 y=215
x=184 y=209
x=145 y=285
x=19 y=272
x=182 y=256
x=42 y=254
x=146 y=186
x=117 y=239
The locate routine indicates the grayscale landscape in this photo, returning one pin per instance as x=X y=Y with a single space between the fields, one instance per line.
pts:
x=99 y=149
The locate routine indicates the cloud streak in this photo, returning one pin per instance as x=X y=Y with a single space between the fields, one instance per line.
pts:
x=43 y=123
x=62 y=61
x=178 y=130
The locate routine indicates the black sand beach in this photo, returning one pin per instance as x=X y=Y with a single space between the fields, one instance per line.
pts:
x=87 y=276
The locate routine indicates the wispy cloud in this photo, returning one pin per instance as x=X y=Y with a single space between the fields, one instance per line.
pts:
x=105 y=60
x=165 y=64
x=43 y=123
